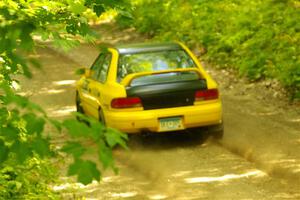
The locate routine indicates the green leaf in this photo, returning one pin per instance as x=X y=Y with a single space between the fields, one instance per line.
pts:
x=96 y=129
x=41 y=147
x=34 y=124
x=18 y=185
x=56 y=124
x=35 y=107
x=77 y=7
x=115 y=137
x=27 y=42
x=3 y=151
x=13 y=98
x=99 y=9
x=85 y=170
x=105 y=155
x=21 y=150
x=3 y=115
x=74 y=148
x=75 y=128
x=9 y=132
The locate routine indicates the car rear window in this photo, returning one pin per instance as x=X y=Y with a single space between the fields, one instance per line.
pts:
x=153 y=61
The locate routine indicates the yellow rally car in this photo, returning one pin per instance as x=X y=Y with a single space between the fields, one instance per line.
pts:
x=150 y=87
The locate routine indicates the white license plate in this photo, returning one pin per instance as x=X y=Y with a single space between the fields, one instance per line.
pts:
x=170 y=124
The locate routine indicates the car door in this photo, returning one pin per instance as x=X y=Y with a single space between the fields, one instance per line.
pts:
x=97 y=82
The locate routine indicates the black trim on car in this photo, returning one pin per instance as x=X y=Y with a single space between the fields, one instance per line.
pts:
x=167 y=95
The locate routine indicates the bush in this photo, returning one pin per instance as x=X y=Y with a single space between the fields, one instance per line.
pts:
x=27 y=181
x=260 y=38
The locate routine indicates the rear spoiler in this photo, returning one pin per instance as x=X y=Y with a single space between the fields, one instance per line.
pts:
x=128 y=79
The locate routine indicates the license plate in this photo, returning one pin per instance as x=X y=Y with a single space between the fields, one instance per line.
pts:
x=170 y=124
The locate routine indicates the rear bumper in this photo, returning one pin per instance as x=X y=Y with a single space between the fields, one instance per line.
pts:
x=192 y=116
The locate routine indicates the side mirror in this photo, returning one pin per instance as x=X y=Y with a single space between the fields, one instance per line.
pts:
x=87 y=72
x=83 y=71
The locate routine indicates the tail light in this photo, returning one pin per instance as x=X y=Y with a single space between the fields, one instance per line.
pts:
x=127 y=102
x=209 y=94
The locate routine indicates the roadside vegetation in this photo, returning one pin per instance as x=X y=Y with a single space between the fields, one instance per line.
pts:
x=26 y=152
x=258 y=38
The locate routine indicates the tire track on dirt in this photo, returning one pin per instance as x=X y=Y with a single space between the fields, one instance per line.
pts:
x=266 y=141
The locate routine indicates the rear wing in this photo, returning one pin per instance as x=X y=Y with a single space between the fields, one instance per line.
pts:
x=129 y=78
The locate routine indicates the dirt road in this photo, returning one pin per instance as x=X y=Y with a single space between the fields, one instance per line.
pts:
x=259 y=157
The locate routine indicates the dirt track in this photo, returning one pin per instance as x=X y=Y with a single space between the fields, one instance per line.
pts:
x=259 y=157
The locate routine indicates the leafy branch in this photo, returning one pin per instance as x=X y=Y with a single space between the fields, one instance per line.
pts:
x=22 y=123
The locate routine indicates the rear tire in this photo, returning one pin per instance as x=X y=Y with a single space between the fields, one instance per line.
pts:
x=79 y=108
x=216 y=131
x=101 y=117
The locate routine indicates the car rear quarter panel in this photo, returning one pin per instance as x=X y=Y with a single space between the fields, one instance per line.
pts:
x=210 y=82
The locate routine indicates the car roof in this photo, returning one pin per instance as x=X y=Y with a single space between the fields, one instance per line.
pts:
x=147 y=47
